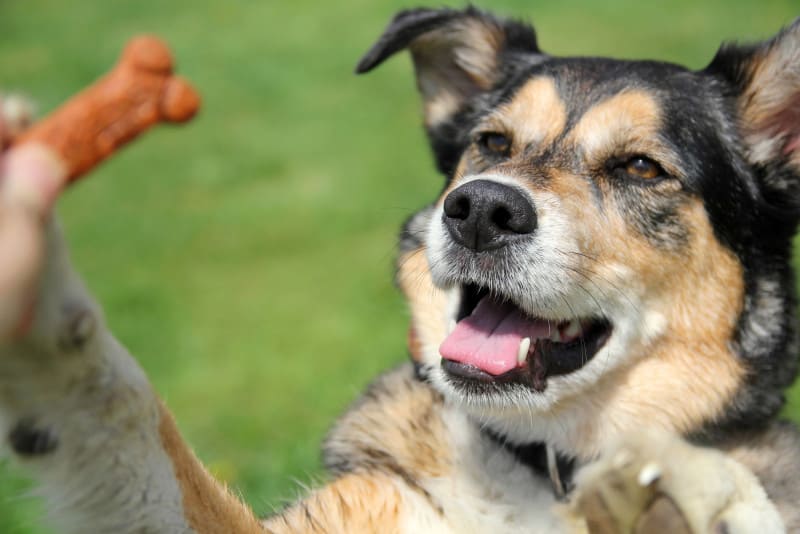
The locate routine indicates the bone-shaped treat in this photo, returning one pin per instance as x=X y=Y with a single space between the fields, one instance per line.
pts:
x=139 y=92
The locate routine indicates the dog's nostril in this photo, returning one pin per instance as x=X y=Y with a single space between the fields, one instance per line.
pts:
x=519 y=219
x=457 y=206
x=501 y=218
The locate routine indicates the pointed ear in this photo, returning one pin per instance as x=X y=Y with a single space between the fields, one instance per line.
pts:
x=766 y=81
x=457 y=53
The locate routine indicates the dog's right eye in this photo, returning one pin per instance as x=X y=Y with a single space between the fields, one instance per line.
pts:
x=494 y=144
x=640 y=167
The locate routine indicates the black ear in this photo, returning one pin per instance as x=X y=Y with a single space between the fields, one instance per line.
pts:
x=457 y=55
x=766 y=82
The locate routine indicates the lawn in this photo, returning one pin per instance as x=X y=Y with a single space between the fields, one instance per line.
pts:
x=246 y=259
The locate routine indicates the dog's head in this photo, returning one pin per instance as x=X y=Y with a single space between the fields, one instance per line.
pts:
x=611 y=248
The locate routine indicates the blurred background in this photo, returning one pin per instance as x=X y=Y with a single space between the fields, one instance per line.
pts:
x=246 y=259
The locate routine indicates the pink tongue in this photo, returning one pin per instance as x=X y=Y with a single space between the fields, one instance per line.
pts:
x=489 y=338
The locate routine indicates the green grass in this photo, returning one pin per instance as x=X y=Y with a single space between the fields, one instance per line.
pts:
x=246 y=259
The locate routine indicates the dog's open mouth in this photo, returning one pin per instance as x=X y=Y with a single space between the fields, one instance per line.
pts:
x=495 y=341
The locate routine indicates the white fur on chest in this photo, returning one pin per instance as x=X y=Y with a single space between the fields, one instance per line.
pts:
x=488 y=490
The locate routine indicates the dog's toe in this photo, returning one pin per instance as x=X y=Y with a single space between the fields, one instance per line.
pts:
x=622 y=493
x=658 y=483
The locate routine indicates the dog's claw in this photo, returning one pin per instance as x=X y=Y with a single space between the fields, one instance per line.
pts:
x=649 y=474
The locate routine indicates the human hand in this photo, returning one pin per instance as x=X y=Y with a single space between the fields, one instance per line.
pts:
x=31 y=177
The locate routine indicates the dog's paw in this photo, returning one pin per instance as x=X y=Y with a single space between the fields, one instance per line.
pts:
x=658 y=483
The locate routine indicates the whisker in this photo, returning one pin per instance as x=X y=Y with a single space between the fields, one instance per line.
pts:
x=583 y=270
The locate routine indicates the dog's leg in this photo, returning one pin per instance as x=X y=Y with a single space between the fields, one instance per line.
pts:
x=364 y=502
x=78 y=414
x=659 y=483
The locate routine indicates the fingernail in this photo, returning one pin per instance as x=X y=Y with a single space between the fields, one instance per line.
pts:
x=17 y=113
x=20 y=270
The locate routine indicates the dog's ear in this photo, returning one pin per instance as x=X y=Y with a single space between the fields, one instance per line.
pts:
x=457 y=54
x=766 y=81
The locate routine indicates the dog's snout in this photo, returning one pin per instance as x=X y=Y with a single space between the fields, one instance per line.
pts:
x=484 y=215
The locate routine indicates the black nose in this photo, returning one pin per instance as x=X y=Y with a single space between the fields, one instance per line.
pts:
x=484 y=215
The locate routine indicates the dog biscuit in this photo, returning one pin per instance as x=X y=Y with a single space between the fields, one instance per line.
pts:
x=139 y=92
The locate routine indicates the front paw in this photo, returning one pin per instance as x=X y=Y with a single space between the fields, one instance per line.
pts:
x=659 y=483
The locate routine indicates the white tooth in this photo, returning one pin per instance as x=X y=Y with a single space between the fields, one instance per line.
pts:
x=451 y=326
x=573 y=329
x=649 y=474
x=522 y=352
x=555 y=335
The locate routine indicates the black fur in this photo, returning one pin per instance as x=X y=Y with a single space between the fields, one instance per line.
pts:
x=534 y=457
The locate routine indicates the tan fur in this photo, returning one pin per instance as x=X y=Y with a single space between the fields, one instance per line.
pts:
x=391 y=439
x=441 y=89
x=441 y=106
x=769 y=104
x=626 y=123
x=381 y=450
x=479 y=58
x=210 y=508
x=535 y=116
x=687 y=375
x=353 y=503
x=426 y=300
x=398 y=426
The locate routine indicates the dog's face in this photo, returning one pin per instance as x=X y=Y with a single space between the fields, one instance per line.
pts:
x=611 y=246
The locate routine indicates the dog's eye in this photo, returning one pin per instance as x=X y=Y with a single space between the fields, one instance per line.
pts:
x=643 y=167
x=494 y=143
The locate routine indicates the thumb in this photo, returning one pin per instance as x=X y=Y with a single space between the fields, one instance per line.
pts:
x=31 y=179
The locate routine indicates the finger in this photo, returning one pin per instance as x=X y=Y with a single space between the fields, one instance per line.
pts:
x=21 y=250
x=32 y=177
x=31 y=180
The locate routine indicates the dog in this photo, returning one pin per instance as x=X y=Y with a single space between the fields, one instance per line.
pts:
x=603 y=317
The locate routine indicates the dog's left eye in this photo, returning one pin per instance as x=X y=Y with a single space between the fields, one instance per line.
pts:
x=494 y=143
x=643 y=167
